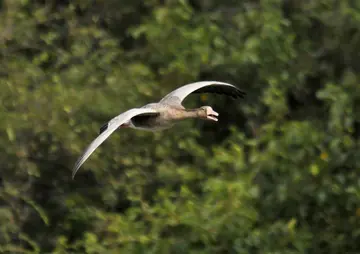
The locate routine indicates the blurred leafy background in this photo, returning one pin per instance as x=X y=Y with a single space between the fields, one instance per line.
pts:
x=279 y=172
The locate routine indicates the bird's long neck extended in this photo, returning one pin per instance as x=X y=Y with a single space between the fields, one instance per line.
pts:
x=188 y=113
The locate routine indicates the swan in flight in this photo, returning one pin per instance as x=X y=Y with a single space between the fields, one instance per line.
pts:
x=163 y=114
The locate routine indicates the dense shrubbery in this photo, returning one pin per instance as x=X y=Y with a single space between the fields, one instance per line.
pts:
x=279 y=173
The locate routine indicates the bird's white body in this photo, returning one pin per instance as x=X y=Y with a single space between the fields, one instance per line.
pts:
x=162 y=115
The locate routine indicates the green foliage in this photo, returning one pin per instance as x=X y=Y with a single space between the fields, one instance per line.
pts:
x=279 y=173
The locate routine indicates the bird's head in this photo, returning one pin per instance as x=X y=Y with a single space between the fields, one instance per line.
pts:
x=208 y=113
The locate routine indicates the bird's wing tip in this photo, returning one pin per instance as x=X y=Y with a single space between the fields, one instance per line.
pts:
x=74 y=171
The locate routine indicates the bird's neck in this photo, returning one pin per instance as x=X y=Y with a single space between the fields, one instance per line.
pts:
x=191 y=113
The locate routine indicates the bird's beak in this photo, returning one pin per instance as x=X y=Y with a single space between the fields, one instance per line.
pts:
x=211 y=115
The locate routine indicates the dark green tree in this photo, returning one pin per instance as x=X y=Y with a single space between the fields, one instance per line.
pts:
x=279 y=172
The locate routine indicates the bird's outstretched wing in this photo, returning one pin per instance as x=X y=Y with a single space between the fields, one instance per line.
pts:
x=178 y=95
x=112 y=125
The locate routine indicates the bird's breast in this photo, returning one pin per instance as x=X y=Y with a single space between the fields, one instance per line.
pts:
x=152 y=122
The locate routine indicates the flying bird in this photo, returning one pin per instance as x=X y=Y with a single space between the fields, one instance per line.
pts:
x=163 y=114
